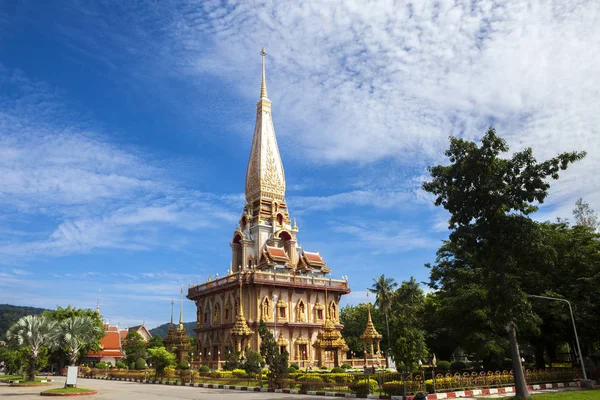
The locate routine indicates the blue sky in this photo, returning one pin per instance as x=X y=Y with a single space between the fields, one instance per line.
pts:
x=125 y=129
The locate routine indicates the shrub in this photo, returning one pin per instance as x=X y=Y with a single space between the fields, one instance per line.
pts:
x=239 y=373
x=394 y=388
x=292 y=370
x=221 y=374
x=132 y=366
x=204 y=368
x=338 y=370
x=324 y=367
x=121 y=364
x=364 y=387
x=184 y=365
x=310 y=382
x=140 y=364
x=102 y=365
x=295 y=365
x=346 y=366
x=443 y=366
x=458 y=366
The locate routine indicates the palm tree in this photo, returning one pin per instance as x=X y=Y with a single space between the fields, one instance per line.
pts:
x=383 y=288
x=33 y=331
x=75 y=333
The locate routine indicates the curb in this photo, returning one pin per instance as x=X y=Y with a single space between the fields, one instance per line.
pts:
x=68 y=394
x=434 y=396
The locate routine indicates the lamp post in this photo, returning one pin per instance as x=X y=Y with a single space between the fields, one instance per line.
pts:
x=574 y=328
x=209 y=360
x=433 y=364
x=275 y=318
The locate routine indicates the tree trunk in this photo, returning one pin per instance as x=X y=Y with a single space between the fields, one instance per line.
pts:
x=387 y=353
x=32 y=365
x=520 y=383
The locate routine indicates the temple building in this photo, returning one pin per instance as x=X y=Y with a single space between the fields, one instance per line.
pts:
x=271 y=277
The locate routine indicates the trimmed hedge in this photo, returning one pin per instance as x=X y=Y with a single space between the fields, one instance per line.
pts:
x=364 y=387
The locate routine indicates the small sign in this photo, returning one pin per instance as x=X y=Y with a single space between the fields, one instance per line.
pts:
x=72 y=376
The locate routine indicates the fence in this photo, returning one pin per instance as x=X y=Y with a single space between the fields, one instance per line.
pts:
x=383 y=383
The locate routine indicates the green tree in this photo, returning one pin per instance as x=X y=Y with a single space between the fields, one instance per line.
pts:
x=493 y=241
x=134 y=347
x=33 y=332
x=253 y=363
x=154 y=342
x=75 y=334
x=407 y=314
x=585 y=215
x=232 y=360
x=161 y=358
x=277 y=362
x=383 y=288
x=58 y=355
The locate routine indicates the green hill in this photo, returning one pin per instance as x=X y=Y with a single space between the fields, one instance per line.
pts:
x=10 y=314
x=163 y=329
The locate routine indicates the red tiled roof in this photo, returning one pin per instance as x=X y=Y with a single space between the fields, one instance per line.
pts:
x=106 y=353
x=123 y=333
x=316 y=257
x=276 y=251
x=277 y=254
x=111 y=340
x=112 y=329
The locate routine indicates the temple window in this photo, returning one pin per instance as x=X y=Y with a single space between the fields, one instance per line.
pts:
x=226 y=314
x=280 y=219
x=320 y=314
x=282 y=312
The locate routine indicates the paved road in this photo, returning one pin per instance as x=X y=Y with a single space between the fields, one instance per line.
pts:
x=117 y=390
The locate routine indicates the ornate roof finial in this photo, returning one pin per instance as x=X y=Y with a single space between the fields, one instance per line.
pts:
x=263 y=86
x=172 y=302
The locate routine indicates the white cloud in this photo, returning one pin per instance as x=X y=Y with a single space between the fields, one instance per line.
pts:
x=97 y=195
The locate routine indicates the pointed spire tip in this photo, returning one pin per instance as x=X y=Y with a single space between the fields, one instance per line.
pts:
x=263 y=86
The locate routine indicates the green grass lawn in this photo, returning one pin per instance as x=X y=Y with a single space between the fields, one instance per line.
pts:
x=574 y=395
x=18 y=377
x=35 y=383
x=69 y=390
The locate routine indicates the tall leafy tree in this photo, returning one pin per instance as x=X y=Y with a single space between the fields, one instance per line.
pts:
x=134 y=347
x=383 y=288
x=493 y=242
x=75 y=334
x=33 y=332
x=277 y=362
x=408 y=305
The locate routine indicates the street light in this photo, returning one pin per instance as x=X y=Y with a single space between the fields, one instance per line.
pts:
x=574 y=328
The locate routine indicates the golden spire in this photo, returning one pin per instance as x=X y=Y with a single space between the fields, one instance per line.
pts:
x=370 y=331
x=263 y=85
x=172 y=302
x=98 y=303
x=265 y=178
x=240 y=328
x=181 y=309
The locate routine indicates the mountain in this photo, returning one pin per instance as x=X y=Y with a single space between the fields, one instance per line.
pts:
x=163 y=329
x=10 y=314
